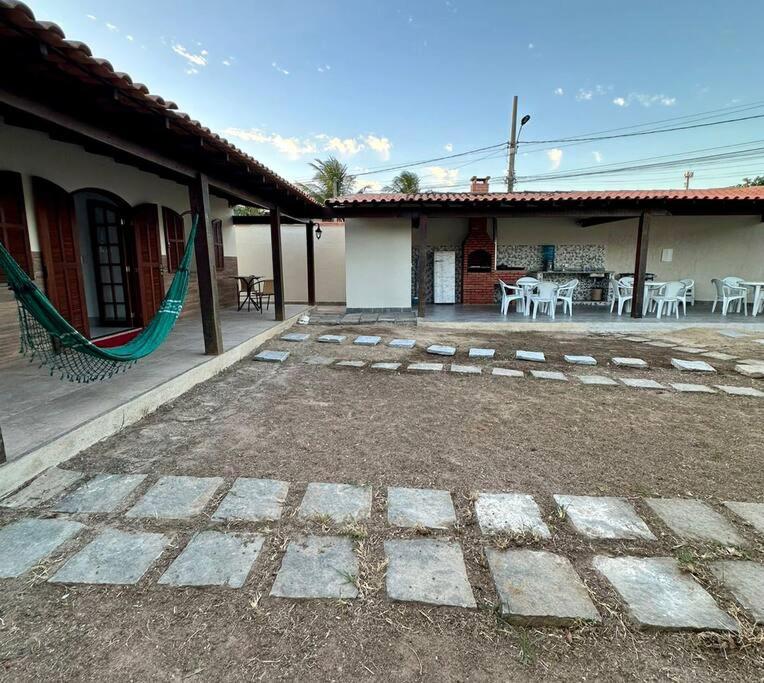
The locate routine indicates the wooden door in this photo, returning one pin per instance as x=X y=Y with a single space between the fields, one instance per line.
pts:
x=13 y=221
x=148 y=261
x=60 y=247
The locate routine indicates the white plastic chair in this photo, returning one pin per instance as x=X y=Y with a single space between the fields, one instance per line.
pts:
x=670 y=296
x=689 y=293
x=528 y=284
x=728 y=291
x=545 y=296
x=565 y=295
x=510 y=293
x=623 y=292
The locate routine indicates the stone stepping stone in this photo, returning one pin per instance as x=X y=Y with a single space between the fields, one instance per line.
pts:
x=174 y=497
x=385 y=366
x=272 y=356
x=332 y=338
x=599 y=380
x=507 y=372
x=510 y=513
x=26 y=542
x=403 y=343
x=114 y=557
x=694 y=520
x=745 y=580
x=639 y=383
x=689 y=349
x=103 y=493
x=425 y=367
x=636 y=340
x=339 y=502
x=482 y=353
x=318 y=567
x=534 y=356
x=50 y=484
x=754 y=371
x=295 y=337
x=758 y=341
x=733 y=334
x=367 y=340
x=318 y=360
x=349 y=364
x=753 y=513
x=692 y=388
x=629 y=362
x=440 y=350
x=427 y=508
x=718 y=355
x=740 y=391
x=466 y=369
x=544 y=374
x=659 y=595
x=692 y=365
x=603 y=517
x=253 y=500
x=580 y=360
x=212 y=558
x=539 y=588
x=429 y=571
x=662 y=344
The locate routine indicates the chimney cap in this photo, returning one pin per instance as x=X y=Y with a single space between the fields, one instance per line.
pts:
x=483 y=179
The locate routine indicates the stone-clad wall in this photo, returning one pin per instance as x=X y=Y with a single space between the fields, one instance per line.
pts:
x=528 y=256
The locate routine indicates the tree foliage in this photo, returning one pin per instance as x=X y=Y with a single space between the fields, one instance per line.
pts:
x=406 y=182
x=751 y=182
x=331 y=178
x=241 y=210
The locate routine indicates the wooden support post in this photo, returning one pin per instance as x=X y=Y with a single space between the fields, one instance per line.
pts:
x=640 y=264
x=199 y=196
x=278 y=266
x=309 y=250
x=422 y=272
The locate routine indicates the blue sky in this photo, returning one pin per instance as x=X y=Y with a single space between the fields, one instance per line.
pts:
x=386 y=83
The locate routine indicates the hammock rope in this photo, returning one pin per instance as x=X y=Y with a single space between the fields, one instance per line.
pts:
x=48 y=338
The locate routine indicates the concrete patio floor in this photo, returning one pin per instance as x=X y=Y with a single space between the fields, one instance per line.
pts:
x=36 y=409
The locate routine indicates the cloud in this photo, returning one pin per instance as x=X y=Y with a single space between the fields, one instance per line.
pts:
x=597 y=156
x=644 y=99
x=347 y=147
x=373 y=186
x=380 y=145
x=531 y=46
x=559 y=91
x=555 y=158
x=130 y=38
x=293 y=148
x=442 y=177
x=226 y=62
x=111 y=27
x=192 y=71
x=92 y=17
x=323 y=67
x=584 y=95
x=281 y=70
x=619 y=101
x=448 y=147
x=195 y=59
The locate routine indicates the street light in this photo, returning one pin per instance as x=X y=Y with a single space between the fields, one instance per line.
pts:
x=319 y=232
x=513 y=151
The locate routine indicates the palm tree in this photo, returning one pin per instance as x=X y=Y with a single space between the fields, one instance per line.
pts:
x=406 y=182
x=331 y=179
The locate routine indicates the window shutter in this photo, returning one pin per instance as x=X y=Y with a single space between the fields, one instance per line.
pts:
x=174 y=238
x=13 y=221
x=217 y=233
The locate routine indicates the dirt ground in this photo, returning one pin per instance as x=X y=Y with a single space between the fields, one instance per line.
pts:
x=304 y=423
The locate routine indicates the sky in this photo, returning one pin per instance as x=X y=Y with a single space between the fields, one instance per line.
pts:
x=380 y=84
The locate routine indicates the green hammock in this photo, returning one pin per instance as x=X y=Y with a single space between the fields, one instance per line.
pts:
x=48 y=338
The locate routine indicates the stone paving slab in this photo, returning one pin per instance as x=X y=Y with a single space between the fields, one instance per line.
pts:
x=367 y=340
x=694 y=520
x=340 y=502
x=425 y=367
x=733 y=334
x=535 y=356
x=103 y=493
x=603 y=517
x=271 y=356
x=507 y=372
x=174 y=497
x=753 y=513
x=27 y=541
x=440 y=350
x=659 y=595
x=350 y=364
x=718 y=355
x=689 y=349
x=539 y=588
x=740 y=391
x=510 y=513
x=465 y=369
x=114 y=557
x=295 y=337
x=580 y=360
x=403 y=343
x=752 y=370
x=692 y=388
x=427 y=508
x=745 y=580
x=50 y=484
x=318 y=360
x=253 y=500
x=549 y=374
x=332 y=338
x=758 y=341
x=212 y=558
x=622 y=362
x=482 y=353
x=692 y=365
x=599 y=380
x=429 y=571
x=318 y=567
x=661 y=344
x=636 y=340
x=639 y=383
x=385 y=366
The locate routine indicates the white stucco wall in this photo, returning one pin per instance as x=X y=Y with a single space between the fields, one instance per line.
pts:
x=378 y=263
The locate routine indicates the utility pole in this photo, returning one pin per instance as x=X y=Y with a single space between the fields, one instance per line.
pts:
x=687 y=176
x=512 y=147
